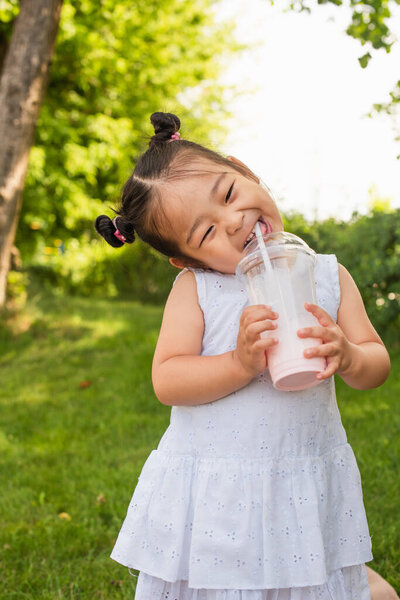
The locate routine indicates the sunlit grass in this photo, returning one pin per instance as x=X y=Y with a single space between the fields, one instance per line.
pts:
x=372 y=421
x=78 y=420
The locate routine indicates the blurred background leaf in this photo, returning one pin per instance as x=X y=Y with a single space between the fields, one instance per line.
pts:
x=115 y=64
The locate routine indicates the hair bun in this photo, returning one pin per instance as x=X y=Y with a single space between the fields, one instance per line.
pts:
x=106 y=228
x=165 y=125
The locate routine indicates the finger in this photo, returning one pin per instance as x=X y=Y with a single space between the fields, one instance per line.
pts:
x=258 y=327
x=264 y=307
x=257 y=313
x=258 y=307
x=321 y=350
x=329 y=371
x=323 y=317
x=265 y=343
x=323 y=333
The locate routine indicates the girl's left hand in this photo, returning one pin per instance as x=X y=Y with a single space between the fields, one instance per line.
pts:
x=335 y=346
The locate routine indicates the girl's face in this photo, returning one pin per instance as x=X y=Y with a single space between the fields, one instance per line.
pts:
x=214 y=213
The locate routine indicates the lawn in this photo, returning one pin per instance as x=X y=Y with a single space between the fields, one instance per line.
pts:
x=78 y=420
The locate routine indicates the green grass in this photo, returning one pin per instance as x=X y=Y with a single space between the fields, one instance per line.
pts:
x=79 y=450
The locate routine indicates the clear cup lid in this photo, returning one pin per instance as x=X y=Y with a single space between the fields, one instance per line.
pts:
x=278 y=244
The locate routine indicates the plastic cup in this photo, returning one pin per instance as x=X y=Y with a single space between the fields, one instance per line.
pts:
x=285 y=284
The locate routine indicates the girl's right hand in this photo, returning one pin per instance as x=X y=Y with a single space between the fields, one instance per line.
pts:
x=251 y=348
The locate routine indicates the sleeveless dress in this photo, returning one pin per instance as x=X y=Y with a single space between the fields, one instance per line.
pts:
x=256 y=496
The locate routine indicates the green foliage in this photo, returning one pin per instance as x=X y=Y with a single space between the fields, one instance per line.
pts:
x=17 y=282
x=391 y=108
x=364 y=60
x=97 y=269
x=369 y=21
x=116 y=62
x=369 y=247
x=8 y=11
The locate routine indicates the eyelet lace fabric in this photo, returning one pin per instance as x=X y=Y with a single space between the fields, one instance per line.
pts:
x=252 y=493
x=349 y=583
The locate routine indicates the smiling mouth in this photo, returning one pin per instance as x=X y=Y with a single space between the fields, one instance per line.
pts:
x=264 y=226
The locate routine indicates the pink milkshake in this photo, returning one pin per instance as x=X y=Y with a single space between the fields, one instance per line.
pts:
x=280 y=274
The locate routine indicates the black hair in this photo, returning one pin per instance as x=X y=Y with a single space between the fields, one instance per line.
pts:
x=140 y=210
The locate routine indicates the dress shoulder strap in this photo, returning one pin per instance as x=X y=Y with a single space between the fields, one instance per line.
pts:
x=200 y=282
x=327 y=283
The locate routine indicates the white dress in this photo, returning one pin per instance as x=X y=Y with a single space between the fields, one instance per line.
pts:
x=256 y=496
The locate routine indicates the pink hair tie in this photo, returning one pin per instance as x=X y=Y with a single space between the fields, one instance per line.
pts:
x=176 y=136
x=117 y=233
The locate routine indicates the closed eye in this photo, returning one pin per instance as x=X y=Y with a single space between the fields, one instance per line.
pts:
x=206 y=234
x=229 y=192
x=227 y=197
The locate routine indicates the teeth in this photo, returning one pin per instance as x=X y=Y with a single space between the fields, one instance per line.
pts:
x=252 y=234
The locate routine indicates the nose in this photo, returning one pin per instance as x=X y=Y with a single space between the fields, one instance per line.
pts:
x=234 y=222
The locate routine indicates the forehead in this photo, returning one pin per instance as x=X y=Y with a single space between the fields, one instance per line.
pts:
x=195 y=172
x=188 y=188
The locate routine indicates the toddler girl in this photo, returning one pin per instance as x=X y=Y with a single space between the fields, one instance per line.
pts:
x=252 y=493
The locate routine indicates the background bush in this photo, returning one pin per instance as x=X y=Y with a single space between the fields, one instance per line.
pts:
x=367 y=245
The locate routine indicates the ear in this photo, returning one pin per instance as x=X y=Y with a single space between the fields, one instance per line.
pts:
x=175 y=262
x=239 y=162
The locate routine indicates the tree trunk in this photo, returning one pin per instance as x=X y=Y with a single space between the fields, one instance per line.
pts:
x=22 y=86
x=3 y=49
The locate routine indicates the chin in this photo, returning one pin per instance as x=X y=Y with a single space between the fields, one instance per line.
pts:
x=227 y=270
x=232 y=270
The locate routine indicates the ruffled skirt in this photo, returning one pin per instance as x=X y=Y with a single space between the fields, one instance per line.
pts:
x=347 y=583
x=246 y=523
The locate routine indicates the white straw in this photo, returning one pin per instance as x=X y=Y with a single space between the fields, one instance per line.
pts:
x=274 y=287
x=264 y=253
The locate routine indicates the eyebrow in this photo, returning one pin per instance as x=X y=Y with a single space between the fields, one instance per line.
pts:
x=199 y=220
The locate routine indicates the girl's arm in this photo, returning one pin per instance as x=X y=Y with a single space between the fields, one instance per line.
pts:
x=181 y=376
x=369 y=363
x=352 y=347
